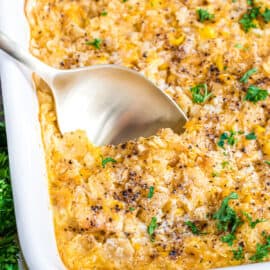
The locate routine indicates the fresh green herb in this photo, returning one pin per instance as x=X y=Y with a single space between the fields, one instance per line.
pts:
x=200 y=93
x=124 y=1
x=193 y=228
x=255 y=94
x=107 y=160
x=224 y=164
x=227 y=219
x=95 y=43
x=228 y=238
x=131 y=209
x=247 y=20
x=262 y=250
x=266 y=15
x=229 y=137
x=8 y=240
x=151 y=192
x=238 y=46
x=215 y=174
x=152 y=227
x=204 y=15
x=251 y=136
x=246 y=76
x=250 y=2
x=104 y=13
x=267 y=162
x=253 y=223
x=238 y=254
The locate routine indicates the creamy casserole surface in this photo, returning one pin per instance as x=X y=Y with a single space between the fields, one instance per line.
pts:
x=159 y=205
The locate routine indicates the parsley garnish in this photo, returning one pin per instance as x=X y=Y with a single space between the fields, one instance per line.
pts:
x=247 y=19
x=238 y=46
x=267 y=162
x=253 y=223
x=193 y=228
x=262 y=250
x=228 y=238
x=199 y=96
x=227 y=219
x=250 y=2
x=255 y=94
x=8 y=244
x=266 y=15
x=246 y=76
x=104 y=13
x=152 y=227
x=107 y=160
x=204 y=15
x=95 y=43
x=151 y=192
x=238 y=254
x=229 y=137
x=251 y=136
x=131 y=209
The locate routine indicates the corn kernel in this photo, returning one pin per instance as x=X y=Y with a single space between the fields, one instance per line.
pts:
x=208 y=32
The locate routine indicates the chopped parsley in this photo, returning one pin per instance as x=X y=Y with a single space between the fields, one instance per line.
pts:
x=229 y=137
x=262 y=250
x=191 y=225
x=107 y=160
x=238 y=46
x=246 y=76
x=251 y=136
x=95 y=43
x=253 y=223
x=238 y=254
x=152 y=227
x=104 y=13
x=200 y=93
x=228 y=238
x=247 y=20
x=151 y=192
x=227 y=219
x=267 y=162
x=266 y=15
x=204 y=15
x=255 y=94
x=131 y=209
x=250 y=2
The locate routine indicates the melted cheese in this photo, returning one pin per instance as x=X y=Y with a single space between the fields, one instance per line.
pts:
x=94 y=226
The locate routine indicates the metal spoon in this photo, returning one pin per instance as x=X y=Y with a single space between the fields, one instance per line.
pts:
x=111 y=103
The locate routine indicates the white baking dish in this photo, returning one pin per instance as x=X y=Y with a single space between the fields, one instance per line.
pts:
x=27 y=163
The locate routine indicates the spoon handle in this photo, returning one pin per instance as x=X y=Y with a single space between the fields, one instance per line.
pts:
x=25 y=58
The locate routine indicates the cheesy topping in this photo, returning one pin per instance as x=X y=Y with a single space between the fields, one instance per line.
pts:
x=198 y=200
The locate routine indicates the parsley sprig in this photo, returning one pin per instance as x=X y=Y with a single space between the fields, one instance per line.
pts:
x=104 y=161
x=150 y=192
x=96 y=43
x=227 y=219
x=255 y=94
x=238 y=254
x=204 y=15
x=200 y=93
x=262 y=250
x=253 y=223
x=191 y=225
x=8 y=240
x=152 y=227
x=246 y=76
x=229 y=137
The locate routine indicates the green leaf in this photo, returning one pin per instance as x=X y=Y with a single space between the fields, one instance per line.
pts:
x=200 y=93
x=246 y=76
x=255 y=94
x=95 y=43
x=152 y=227
x=227 y=219
x=229 y=137
x=193 y=228
x=251 y=136
x=238 y=254
x=131 y=209
x=204 y=15
x=266 y=15
x=151 y=192
x=267 y=162
x=262 y=250
x=104 y=13
x=247 y=19
x=253 y=223
x=107 y=160
x=229 y=238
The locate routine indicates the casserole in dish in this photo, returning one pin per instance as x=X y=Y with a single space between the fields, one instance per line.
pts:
x=194 y=201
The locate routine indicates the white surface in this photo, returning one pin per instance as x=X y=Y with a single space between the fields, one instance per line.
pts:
x=29 y=181
x=28 y=172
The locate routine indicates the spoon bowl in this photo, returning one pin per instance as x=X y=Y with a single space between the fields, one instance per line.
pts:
x=111 y=103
